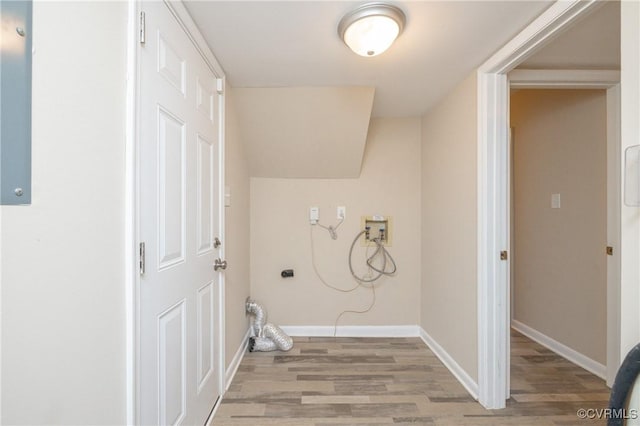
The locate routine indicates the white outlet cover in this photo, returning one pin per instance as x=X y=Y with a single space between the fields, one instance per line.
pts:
x=314 y=214
x=341 y=212
x=555 y=201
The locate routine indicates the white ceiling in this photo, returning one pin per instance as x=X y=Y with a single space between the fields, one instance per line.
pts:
x=295 y=43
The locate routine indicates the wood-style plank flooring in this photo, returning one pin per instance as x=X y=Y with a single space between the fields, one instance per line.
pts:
x=375 y=381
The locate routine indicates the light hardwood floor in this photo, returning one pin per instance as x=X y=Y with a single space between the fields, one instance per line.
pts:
x=373 y=381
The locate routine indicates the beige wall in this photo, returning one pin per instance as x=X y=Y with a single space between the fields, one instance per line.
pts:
x=332 y=122
x=63 y=307
x=236 y=239
x=560 y=271
x=280 y=235
x=449 y=225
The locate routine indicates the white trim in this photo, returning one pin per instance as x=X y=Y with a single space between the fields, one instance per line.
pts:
x=230 y=374
x=220 y=334
x=232 y=369
x=221 y=231
x=564 y=351
x=352 y=330
x=563 y=79
x=213 y=412
x=493 y=207
x=493 y=231
x=212 y=415
x=630 y=135
x=613 y=232
x=538 y=33
x=458 y=372
x=131 y=219
x=185 y=20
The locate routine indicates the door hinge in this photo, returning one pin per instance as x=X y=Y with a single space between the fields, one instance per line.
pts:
x=504 y=255
x=609 y=250
x=143 y=29
x=142 y=259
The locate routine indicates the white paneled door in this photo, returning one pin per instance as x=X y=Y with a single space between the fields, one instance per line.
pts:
x=179 y=221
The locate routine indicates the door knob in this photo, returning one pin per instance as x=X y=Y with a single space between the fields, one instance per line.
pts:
x=219 y=264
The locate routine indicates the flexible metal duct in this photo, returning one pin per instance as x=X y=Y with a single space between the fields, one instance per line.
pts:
x=281 y=339
x=267 y=337
x=261 y=344
x=259 y=316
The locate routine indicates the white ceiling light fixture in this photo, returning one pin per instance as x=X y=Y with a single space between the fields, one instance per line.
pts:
x=372 y=28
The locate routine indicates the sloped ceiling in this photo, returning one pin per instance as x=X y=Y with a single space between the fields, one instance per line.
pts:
x=304 y=132
x=304 y=100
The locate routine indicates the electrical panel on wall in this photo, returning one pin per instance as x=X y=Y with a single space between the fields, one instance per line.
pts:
x=15 y=101
x=379 y=227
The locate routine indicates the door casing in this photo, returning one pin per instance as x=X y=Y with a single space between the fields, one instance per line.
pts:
x=493 y=193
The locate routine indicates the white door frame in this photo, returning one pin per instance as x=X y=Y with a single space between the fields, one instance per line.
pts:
x=608 y=80
x=132 y=196
x=493 y=194
x=630 y=136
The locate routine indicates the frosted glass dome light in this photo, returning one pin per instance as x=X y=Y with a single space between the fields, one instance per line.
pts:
x=372 y=28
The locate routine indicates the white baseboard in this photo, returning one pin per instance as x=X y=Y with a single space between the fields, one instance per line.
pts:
x=562 y=350
x=230 y=372
x=352 y=330
x=465 y=380
x=237 y=359
x=212 y=414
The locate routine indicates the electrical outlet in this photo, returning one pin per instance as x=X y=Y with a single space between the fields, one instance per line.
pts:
x=342 y=212
x=314 y=215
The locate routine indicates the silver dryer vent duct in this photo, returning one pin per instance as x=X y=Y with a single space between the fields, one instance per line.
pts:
x=266 y=336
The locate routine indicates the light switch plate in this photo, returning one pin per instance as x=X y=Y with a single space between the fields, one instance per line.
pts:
x=555 y=201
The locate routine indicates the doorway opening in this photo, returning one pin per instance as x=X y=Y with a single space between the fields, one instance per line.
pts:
x=562 y=257
x=493 y=184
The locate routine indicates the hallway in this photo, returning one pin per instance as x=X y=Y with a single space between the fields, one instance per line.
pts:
x=327 y=381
